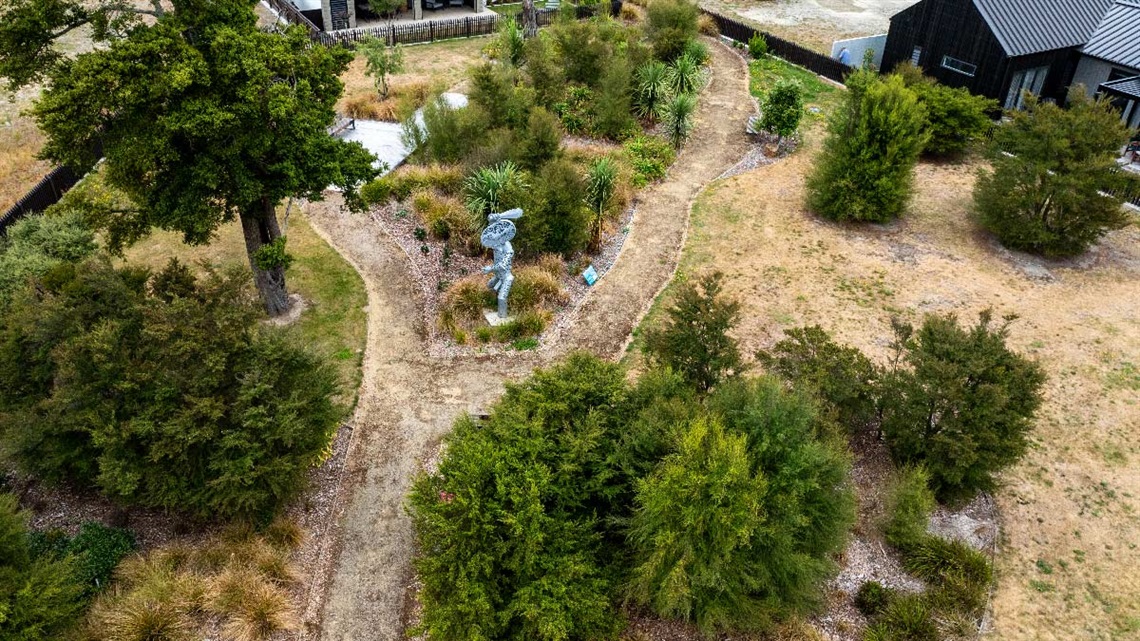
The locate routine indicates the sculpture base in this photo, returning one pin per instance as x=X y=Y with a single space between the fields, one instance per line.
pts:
x=492 y=316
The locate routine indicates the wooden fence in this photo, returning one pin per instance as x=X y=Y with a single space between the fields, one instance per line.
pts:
x=811 y=60
x=46 y=193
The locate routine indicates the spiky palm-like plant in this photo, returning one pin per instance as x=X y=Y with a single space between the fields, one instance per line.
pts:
x=485 y=187
x=685 y=75
x=679 y=118
x=651 y=89
x=601 y=183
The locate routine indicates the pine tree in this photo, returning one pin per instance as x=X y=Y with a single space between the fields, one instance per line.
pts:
x=694 y=341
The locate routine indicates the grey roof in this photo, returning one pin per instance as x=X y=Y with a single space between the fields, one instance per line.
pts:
x=1117 y=39
x=1125 y=86
x=1033 y=26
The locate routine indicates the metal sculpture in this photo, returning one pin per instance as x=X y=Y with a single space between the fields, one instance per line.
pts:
x=497 y=237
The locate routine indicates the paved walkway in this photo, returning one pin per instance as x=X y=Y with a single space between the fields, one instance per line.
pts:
x=409 y=401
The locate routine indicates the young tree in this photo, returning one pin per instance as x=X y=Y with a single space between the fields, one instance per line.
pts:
x=1048 y=193
x=670 y=25
x=959 y=402
x=601 y=183
x=194 y=139
x=651 y=89
x=842 y=376
x=380 y=61
x=735 y=530
x=510 y=527
x=694 y=341
x=782 y=110
x=693 y=528
x=866 y=171
x=678 y=118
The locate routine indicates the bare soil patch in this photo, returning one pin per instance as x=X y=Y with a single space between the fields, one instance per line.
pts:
x=815 y=24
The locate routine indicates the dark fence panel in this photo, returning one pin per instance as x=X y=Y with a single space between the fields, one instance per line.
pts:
x=45 y=194
x=429 y=30
x=811 y=60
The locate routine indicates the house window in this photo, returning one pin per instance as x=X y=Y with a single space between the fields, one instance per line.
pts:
x=915 y=56
x=1031 y=80
x=954 y=64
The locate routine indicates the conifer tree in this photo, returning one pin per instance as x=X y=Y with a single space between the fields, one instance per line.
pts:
x=866 y=169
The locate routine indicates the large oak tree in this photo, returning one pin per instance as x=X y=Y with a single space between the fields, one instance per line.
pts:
x=203 y=118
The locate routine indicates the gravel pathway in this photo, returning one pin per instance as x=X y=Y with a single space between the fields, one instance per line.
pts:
x=409 y=400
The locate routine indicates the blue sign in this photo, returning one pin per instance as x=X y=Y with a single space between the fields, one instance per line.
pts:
x=590 y=275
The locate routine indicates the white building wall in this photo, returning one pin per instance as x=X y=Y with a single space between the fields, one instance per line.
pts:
x=1092 y=72
x=858 y=46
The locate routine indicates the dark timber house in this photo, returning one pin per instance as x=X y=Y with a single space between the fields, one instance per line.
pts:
x=998 y=48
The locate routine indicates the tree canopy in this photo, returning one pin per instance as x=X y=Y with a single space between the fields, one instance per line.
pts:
x=202 y=118
x=1049 y=193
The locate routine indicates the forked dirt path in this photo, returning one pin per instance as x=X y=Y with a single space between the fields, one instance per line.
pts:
x=408 y=401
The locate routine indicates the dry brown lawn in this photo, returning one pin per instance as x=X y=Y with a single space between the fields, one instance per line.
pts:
x=439 y=66
x=1069 y=561
x=20 y=141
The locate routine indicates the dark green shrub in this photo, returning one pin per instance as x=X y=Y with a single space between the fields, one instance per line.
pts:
x=544 y=72
x=612 y=117
x=211 y=413
x=98 y=550
x=961 y=403
x=872 y=598
x=40 y=597
x=909 y=504
x=451 y=134
x=576 y=112
x=583 y=50
x=1049 y=196
x=500 y=99
x=735 y=530
x=650 y=158
x=670 y=25
x=696 y=563
x=558 y=219
x=757 y=46
x=697 y=51
x=36 y=244
x=541 y=141
x=842 y=376
x=873 y=143
x=783 y=109
x=694 y=340
x=956 y=119
x=907 y=618
x=510 y=526
x=376 y=192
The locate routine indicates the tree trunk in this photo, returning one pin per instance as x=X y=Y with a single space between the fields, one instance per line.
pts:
x=260 y=228
x=530 y=20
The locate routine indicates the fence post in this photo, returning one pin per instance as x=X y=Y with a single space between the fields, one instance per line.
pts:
x=431 y=30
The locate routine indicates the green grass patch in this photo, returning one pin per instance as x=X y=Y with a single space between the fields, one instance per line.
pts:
x=767 y=71
x=334 y=323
